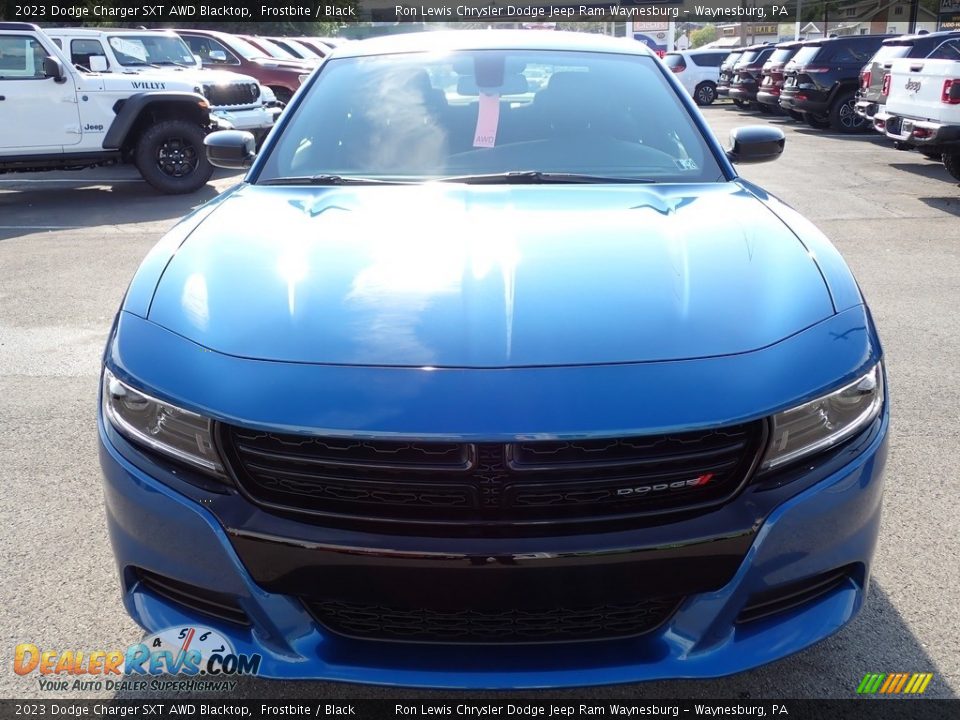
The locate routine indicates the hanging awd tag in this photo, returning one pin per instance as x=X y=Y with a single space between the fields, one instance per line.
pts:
x=488 y=117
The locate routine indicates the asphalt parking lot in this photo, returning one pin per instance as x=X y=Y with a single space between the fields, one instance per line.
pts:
x=69 y=243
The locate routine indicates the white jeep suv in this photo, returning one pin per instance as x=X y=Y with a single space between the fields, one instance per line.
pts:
x=698 y=71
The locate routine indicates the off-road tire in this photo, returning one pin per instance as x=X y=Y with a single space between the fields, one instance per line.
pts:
x=951 y=161
x=171 y=157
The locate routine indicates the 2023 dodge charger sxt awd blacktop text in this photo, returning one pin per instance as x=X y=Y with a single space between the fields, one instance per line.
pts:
x=465 y=375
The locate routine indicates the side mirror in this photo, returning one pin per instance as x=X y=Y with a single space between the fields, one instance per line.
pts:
x=198 y=61
x=53 y=68
x=218 y=56
x=755 y=144
x=98 y=63
x=231 y=149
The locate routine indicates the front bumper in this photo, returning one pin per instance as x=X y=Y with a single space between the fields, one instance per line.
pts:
x=832 y=523
x=916 y=132
x=259 y=118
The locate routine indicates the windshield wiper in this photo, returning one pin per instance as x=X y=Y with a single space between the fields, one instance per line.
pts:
x=536 y=177
x=172 y=62
x=330 y=180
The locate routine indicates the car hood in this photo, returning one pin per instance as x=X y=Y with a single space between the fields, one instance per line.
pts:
x=489 y=276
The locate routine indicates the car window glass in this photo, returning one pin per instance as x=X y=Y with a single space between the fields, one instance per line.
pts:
x=731 y=59
x=706 y=59
x=21 y=58
x=422 y=116
x=949 y=50
x=82 y=48
x=781 y=55
x=894 y=50
x=202 y=47
x=851 y=54
x=806 y=54
x=747 y=58
x=673 y=60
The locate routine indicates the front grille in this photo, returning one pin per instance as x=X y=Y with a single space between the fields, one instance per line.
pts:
x=507 y=626
x=233 y=94
x=491 y=484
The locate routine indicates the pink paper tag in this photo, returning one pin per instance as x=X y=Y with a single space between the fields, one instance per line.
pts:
x=488 y=117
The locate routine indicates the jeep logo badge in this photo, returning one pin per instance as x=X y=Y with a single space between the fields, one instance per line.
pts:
x=912 y=85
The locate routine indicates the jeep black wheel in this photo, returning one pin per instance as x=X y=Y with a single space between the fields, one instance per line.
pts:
x=820 y=122
x=170 y=156
x=705 y=93
x=951 y=161
x=843 y=116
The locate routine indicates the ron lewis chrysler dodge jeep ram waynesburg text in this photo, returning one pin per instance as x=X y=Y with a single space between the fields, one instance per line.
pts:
x=478 y=382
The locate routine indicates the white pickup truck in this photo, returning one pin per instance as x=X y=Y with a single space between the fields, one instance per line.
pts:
x=923 y=104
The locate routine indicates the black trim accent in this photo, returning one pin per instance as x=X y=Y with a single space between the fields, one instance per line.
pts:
x=52 y=161
x=509 y=625
x=787 y=597
x=207 y=602
x=129 y=112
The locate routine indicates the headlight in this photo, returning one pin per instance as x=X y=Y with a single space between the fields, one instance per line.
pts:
x=826 y=421
x=163 y=427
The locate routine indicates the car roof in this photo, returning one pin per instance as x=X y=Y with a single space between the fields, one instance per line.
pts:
x=938 y=35
x=96 y=32
x=450 y=40
x=842 y=38
x=789 y=44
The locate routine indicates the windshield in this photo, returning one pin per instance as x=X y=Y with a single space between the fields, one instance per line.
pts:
x=242 y=47
x=419 y=117
x=806 y=54
x=781 y=55
x=132 y=50
x=275 y=50
x=889 y=52
x=304 y=51
x=731 y=59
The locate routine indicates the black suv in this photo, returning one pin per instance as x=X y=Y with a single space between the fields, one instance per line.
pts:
x=771 y=76
x=822 y=80
x=726 y=72
x=746 y=75
x=871 y=96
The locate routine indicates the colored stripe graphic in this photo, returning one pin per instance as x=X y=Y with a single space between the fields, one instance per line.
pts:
x=894 y=683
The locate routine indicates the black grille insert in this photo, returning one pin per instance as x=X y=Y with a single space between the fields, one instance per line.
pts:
x=208 y=602
x=233 y=94
x=779 y=600
x=491 y=484
x=508 y=626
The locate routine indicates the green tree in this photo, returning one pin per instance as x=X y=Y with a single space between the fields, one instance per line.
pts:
x=706 y=34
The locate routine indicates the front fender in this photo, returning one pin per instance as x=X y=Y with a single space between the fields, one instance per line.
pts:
x=130 y=109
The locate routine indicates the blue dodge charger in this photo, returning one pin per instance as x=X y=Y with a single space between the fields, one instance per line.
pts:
x=493 y=373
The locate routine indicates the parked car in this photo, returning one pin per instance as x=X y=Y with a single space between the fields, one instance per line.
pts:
x=871 y=96
x=228 y=52
x=771 y=74
x=57 y=116
x=159 y=59
x=610 y=392
x=923 y=104
x=821 y=81
x=746 y=75
x=321 y=46
x=698 y=71
x=275 y=51
x=726 y=72
x=300 y=50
